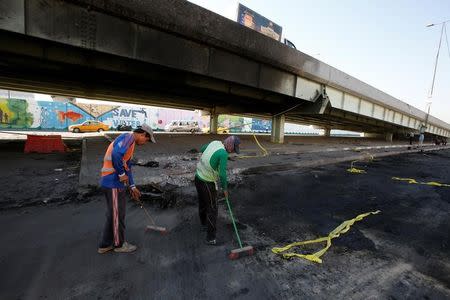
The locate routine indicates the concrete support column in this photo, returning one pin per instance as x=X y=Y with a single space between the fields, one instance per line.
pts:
x=277 y=129
x=389 y=136
x=327 y=131
x=373 y=135
x=213 y=123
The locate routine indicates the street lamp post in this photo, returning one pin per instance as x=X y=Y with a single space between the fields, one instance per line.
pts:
x=443 y=24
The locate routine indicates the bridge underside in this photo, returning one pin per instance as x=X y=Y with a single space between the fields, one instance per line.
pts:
x=36 y=65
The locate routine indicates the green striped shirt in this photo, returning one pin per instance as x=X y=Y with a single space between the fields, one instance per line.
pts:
x=218 y=162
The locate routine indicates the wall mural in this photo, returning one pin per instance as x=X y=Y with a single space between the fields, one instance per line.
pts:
x=15 y=114
x=48 y=115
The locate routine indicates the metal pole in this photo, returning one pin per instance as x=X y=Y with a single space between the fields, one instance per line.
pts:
x=435 y=68
x=436 y=62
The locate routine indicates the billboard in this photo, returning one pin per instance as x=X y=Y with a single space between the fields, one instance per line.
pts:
x=255 y=21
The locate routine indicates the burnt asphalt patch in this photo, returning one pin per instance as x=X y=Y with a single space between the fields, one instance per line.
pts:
x=411 y=235
x=50 y=252
x=38 y=179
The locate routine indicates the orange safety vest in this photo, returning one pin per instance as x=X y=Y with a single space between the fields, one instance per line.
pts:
x=108 y=167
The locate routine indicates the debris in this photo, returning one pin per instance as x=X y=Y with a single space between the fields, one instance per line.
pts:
x=166 y=195
x=188 y=158
x=192 y=151
x=151 y=191
x=58 y=170
x=169 y=165
x=150 y=164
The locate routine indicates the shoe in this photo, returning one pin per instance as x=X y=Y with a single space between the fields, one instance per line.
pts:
x=105 y=249
x=211 y=242
x=126 y=248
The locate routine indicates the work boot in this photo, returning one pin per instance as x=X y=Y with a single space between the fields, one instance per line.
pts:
x=126 y=248
x=102 y=250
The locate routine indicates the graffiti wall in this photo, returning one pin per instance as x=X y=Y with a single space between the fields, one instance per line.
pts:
x=15 y=113
x=49 y=115
x=31 y=114
x=156 y=117
x=235 y=123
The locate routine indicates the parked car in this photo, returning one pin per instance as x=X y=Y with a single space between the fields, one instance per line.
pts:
x=89 y=126
x=220 y=130
x=182 y=126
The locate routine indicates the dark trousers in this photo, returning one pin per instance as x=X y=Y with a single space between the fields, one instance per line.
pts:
x=113 y=231
x=207 y=205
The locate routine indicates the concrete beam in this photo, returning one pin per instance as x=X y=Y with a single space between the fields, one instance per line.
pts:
x=223 y=57
x=277 y=135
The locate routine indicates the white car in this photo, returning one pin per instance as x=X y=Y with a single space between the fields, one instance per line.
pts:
x=182 y=126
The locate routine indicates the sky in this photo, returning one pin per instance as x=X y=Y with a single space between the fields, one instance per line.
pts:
x=383 y=43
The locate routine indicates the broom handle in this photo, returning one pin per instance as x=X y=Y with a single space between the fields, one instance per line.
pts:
x=146 y=212
x=234 y=223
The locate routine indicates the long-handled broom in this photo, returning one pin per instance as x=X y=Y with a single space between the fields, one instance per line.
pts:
x=241 y=251
x=153 y=227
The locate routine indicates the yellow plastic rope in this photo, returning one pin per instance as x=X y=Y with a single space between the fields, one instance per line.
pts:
x=356 y=171
x=263 y=150
x=315 y=257
x=359 y=171
x=413 y=181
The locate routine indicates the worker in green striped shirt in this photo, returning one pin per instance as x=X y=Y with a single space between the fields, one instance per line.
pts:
x=211 y=169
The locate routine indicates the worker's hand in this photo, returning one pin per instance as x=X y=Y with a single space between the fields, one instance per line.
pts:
x=225 y=193
x=124 y=179
x=135 y=193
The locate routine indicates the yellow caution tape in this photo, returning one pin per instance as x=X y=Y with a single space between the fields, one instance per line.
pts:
x=359 y=171
x=315 y=257
x=413 y=181
x=356 y=171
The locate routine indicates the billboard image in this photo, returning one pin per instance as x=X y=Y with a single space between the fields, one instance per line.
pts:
x=255 y=21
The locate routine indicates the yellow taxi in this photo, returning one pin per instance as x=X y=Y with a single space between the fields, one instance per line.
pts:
x=89 y=126
x=220 y=130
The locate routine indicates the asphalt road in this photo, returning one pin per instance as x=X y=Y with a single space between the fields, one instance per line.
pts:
x=403 y=253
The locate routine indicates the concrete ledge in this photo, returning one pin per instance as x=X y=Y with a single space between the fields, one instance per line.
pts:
x=84 y=169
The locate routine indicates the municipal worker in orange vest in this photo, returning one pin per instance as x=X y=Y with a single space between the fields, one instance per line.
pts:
x=116 y=177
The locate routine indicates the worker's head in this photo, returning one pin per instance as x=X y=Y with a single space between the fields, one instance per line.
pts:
x=143 y=134
x=231 y=144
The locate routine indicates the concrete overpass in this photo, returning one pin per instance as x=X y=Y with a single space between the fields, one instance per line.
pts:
x=176 y=54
